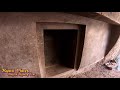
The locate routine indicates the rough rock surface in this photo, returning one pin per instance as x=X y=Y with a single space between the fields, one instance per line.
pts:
x=99 y=71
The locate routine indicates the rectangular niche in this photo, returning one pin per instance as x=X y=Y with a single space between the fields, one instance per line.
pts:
x=60 y=47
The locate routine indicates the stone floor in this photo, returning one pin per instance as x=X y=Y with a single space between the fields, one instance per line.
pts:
x=98 y=71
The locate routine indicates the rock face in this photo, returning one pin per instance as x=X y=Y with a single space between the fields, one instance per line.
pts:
x=22 y=45
x=114 y=16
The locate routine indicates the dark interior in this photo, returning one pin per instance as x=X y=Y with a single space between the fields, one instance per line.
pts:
x=59 y=50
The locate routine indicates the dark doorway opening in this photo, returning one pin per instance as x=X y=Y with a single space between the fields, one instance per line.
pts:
x=59 y=50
